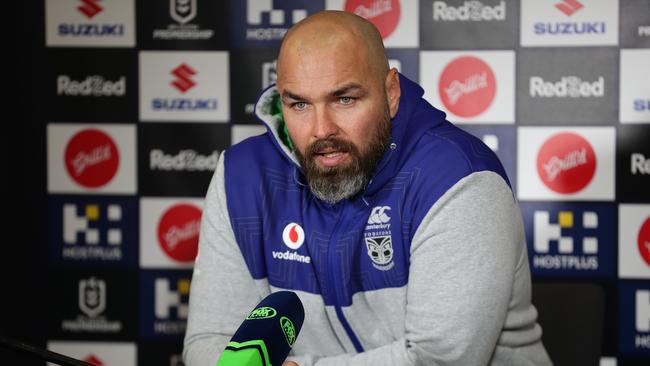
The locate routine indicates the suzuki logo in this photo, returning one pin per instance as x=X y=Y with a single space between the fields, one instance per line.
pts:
x=569 y=7
x=90 y=8
x=183 y=82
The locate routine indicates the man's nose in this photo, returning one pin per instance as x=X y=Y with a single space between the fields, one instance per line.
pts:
x=324 y=124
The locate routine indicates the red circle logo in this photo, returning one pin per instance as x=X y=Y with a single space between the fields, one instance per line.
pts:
x=91 y=158
x=384 y=14
x=467 y=86
x=644 y=241
x=566 y=163
x=178 y=232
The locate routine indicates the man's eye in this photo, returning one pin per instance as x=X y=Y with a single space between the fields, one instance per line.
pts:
x=299 y=106
x=346 y=100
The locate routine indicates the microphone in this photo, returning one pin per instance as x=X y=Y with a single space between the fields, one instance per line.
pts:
x=267 y=334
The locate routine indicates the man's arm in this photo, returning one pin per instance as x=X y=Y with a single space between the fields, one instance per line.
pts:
x=464 y=257
x=223 y=291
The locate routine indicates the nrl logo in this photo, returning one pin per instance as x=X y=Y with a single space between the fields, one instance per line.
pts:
x=92 y=296
x=380 y=251
x=182 y=11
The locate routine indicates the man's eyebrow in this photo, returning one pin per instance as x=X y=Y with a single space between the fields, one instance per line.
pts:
x=290 y=95
x=343 y=90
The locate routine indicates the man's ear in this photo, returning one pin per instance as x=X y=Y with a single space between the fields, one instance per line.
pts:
x=393 y=91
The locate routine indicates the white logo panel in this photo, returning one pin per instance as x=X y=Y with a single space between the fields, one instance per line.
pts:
x=569 y=22
x=94 y=23
x=152 y=252
x=633 y=245
x=184 y=86
x=634 y=93
x=61 y=140
x=242 y=132
x=501 y=109
x=104 y=353
x=530 y=185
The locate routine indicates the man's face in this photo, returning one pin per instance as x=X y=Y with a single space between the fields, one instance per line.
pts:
x=338 y=117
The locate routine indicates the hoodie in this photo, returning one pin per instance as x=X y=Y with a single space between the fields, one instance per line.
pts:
x=426 y=266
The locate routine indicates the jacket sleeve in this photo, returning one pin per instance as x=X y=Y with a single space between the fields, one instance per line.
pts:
x=222 y=290
x=468 y=271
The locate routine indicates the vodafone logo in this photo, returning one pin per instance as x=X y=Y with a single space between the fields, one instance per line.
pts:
x=183 y=74
x=178 y=232
x=644 y=241
x=293 y=236
x=467 y=86
x=566 y=163
x=384 y=14
x=91 y=158
x=89 y=8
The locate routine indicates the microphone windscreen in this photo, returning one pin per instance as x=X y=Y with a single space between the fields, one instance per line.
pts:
x=268 y=332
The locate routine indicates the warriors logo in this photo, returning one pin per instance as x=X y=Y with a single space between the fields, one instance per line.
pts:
x=380 y=251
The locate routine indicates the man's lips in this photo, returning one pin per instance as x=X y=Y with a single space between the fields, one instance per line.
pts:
x=330 y=158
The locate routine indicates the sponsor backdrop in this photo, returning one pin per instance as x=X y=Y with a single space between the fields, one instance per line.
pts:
x=141 y=98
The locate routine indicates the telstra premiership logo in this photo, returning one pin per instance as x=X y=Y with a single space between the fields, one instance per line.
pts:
x=569 y=7
x=89 y=8
x=183 y=73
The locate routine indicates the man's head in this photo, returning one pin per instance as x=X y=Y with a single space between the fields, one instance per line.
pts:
x=338 y=97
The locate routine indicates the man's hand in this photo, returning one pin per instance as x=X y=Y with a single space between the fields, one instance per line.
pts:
x=290 y=363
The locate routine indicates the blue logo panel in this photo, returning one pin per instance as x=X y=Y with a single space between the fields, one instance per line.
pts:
x=501 y=139
x=571 y=240
x=634 y=318
x=406 y=61
x=93 y=230
x=256 y=24
x=164 y=304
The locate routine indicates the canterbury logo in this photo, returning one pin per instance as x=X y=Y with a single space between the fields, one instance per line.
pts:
x=569 y=7
x=378 y=215
x=183 y=81
x=90 y=8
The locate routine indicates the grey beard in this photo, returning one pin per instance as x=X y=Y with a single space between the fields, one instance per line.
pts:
x=336 y=184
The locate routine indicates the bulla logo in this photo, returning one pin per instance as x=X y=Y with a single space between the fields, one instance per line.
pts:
x=93 y=85
x=568 y=86
x=470 y=11
x=91 y=158
x=183 y=81
x=643 y=241
x=467 y=86
x=384 y=14
x=178 y=232
x=89 y=8
x=566 y=163
x=293 y=236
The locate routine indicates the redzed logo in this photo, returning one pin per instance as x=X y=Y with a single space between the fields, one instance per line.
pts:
x=89 y=8
x=94 y=360
x=566 y=163
x=467 y=86
x=644 y=241
x=384 y=14
x=183 y=82
x=91 y=158
x=178 y=232
x=569 y=7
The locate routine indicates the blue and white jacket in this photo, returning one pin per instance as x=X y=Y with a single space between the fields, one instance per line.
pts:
x=427 y=266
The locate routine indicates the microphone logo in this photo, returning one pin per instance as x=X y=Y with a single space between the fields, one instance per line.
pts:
x=289 y=330
x=263 y=312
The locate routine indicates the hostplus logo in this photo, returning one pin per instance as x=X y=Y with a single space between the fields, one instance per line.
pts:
x=642 y=319
x=267 y=23
x=183 y=82
x=467 y=86
x=171 y=306
x=569 y=8
x=384 y=14
x=89 y=9
x=293 y=237
x=91 y=86
x=91 y=158
x=82 y=237
x=565 y=253
x=566 y=87
x=566 y=163
x=378 y=238
x=473 y=11
x=92 y=303
x=188 y=160
x=183 y=12
x=178 y=232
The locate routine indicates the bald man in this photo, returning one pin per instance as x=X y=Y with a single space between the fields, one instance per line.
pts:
x=398 y=231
